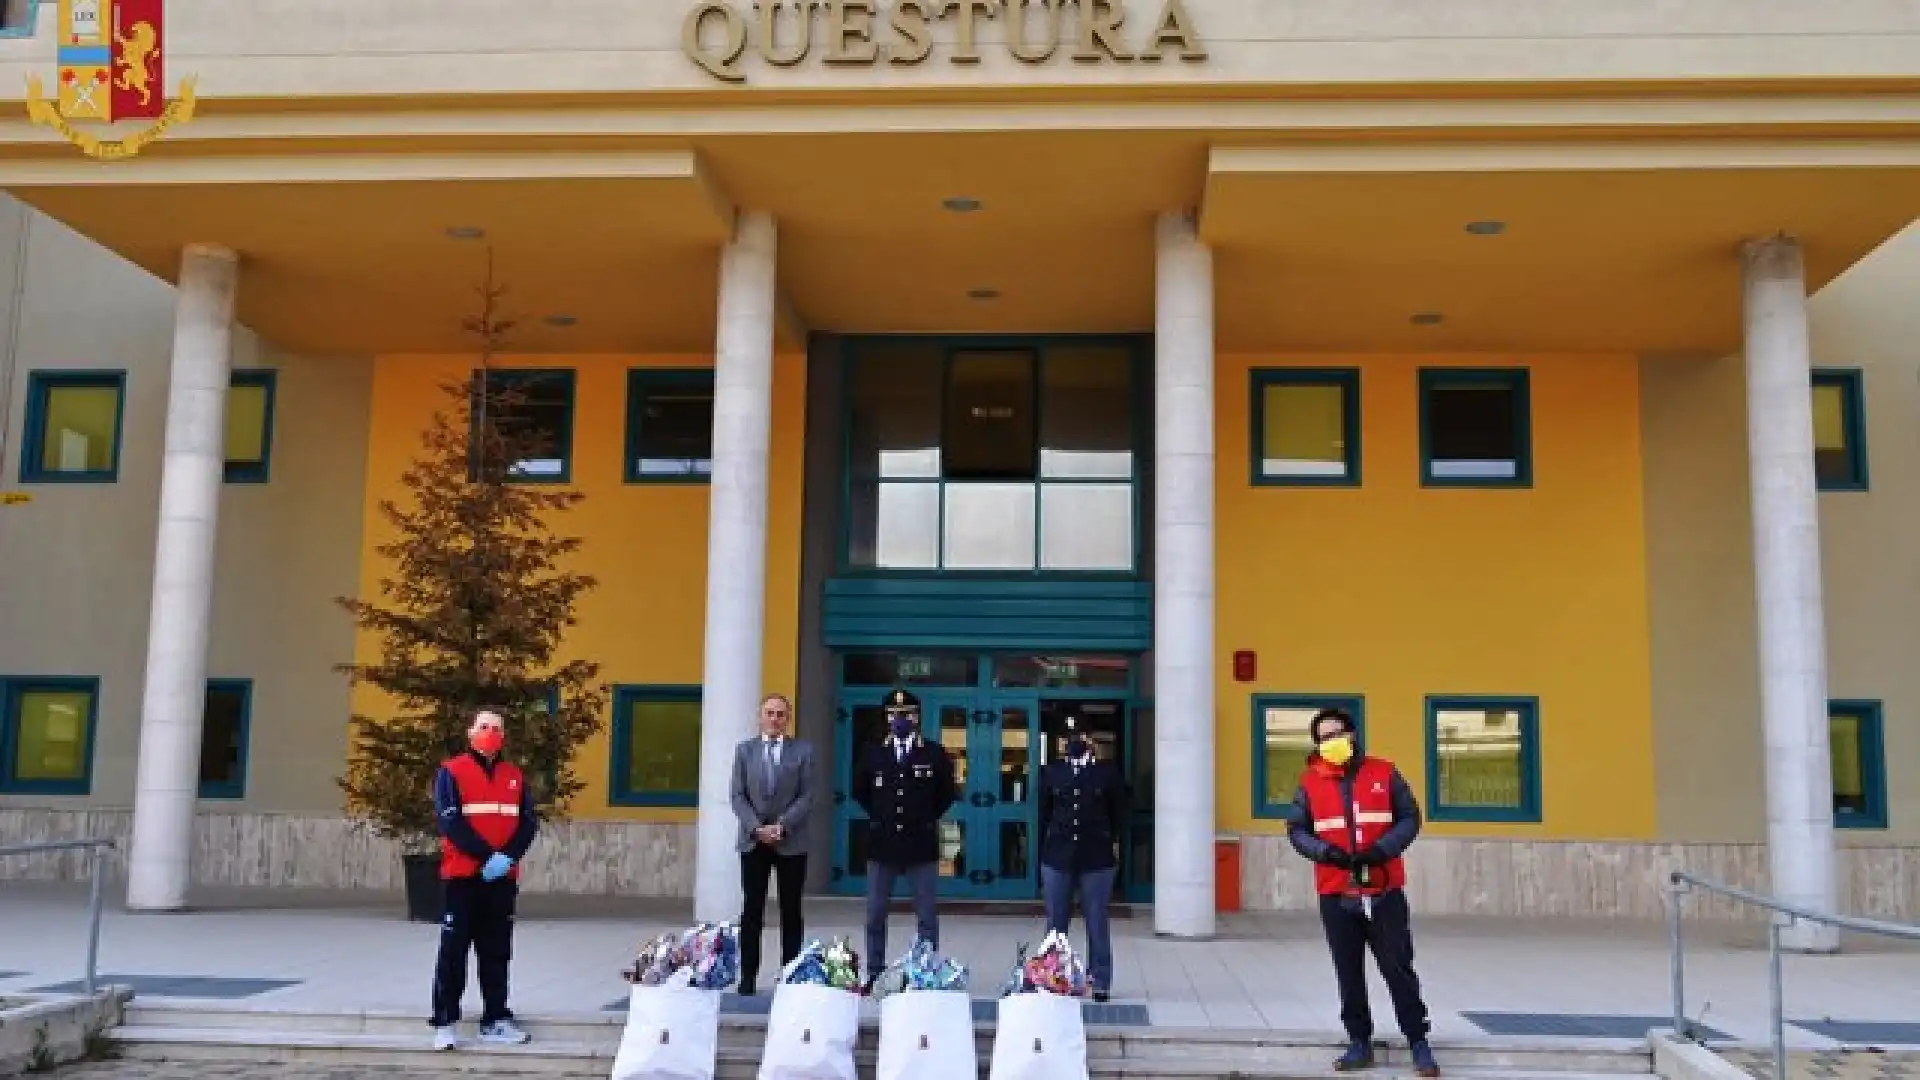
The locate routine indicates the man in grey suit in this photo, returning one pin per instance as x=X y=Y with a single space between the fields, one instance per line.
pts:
x=772 y=794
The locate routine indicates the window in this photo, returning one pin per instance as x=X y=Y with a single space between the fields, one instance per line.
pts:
x=73 y=427
x=249 y=426
x=1282 y=741
x=995 y=458
x=533 y=411
x=1859 y=765
x=223 y=739
x=1839 y=431
x=669 y=425
x=656 y=746
x=46 y=735
x=1475 y=428
x=1483 y=759
x=1306 y=427
x=17 y=18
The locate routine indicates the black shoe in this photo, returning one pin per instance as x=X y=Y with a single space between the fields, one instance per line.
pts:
x=746 y=990
x=1101 y=996
x=1359 y=1056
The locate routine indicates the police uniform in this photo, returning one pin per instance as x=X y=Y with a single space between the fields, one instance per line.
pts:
x=905 y=786
x=1082 y=806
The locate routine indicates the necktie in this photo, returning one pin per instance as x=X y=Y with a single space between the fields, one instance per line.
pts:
x=770 y=757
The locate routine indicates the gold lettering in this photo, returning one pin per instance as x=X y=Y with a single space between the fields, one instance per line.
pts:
x=966 y=50
x=850 y=32
x=1175 y=28
x=912 y=23
x=1017 y=30
x=769 y=31
x=1100 y=31
x=725 y=63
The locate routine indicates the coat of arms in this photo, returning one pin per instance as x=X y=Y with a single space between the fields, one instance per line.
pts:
x=112 y=69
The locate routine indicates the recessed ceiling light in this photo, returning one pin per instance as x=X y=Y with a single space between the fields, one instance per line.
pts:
x=1486 y=228
x=561 y=320
x=1426 y=318
x=983 y=294
x=466 y=232
x=960 y=204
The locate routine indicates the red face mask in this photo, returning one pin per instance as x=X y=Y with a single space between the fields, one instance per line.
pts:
x=489 y=741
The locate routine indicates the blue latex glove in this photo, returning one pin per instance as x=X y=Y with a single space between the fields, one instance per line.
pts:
x=497 y=866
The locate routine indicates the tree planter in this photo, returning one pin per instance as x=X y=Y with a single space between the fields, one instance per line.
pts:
x=425 y=895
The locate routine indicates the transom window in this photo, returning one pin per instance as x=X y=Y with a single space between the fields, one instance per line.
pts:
x=991 y=458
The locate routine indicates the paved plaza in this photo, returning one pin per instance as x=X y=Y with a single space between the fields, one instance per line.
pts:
x=1538 y=978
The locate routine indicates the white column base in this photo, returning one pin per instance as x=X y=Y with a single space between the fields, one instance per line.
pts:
x=166 y=789
x=736 y=549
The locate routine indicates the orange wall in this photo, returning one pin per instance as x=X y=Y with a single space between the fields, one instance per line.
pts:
x=646 y=543
x=1397 y=592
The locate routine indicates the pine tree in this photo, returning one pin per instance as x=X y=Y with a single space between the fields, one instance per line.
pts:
x=472 y=612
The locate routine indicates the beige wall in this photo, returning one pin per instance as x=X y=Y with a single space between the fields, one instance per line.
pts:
x=77 y=571
x=1710 y=776
x=355 y=48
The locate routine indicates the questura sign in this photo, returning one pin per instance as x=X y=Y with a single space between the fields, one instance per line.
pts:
x=719 y=36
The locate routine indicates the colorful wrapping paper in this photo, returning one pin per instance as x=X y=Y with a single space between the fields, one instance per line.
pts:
x=835 y=965
x=1053 y=968
x=705 y=957
x=921 y=969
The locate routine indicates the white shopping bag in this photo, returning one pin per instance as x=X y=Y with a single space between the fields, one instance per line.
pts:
x=1040 y=1036
x=811 y=1033
x=927 y=1035
x=673 y=1033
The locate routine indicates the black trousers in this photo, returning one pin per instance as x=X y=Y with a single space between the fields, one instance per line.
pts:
x=1389 y=933
x=479 y=917
x=755 y=867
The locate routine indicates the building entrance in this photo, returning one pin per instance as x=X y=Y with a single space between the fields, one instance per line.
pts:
x=1001 y=718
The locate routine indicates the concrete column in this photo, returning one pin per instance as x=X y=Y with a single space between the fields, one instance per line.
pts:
x=167 y=786
x=1183 y=823
x=1792 y=620
x=736 y=548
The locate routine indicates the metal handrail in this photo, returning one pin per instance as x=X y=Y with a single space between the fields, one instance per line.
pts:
x=1784 y=915
x=96 y=856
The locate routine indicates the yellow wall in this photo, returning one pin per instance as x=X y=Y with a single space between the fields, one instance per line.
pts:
x=1397 y=592
x=646 y=543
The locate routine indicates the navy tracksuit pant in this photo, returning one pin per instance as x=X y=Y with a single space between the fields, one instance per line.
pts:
x=1388 y=931
x=478 y=918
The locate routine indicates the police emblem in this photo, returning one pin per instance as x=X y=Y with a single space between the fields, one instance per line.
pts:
x=111 y=70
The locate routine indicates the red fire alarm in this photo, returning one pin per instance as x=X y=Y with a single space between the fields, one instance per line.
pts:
x=1246 y=665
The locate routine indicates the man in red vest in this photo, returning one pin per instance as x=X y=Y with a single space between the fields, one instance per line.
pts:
x=1354 y=816
x=486 y=825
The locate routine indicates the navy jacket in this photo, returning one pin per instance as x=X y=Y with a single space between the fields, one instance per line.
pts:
x=905 y=800
x=453 y=824
x=1080 y=816
x=1399 y=836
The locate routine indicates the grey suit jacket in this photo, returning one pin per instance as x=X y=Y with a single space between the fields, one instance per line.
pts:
x=789 y=803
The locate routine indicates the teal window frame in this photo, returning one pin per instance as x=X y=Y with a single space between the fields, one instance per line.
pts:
x=237 y=789
x=625 y=696
x=12 y=688
x=40 y=388
x=1140 y=373
x=24 y=27
x=1851 y=382
x=1529 y=811
x=1870 y=715
x=1348 y=382
x=639 y=382
x=504 y=379
x=255 y=472
x=1517 y=380
x=1356 y=706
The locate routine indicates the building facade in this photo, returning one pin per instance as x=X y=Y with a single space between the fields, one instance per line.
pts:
x=1538 y=385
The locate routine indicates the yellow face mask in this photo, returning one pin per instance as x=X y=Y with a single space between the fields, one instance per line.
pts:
x=1337 y=750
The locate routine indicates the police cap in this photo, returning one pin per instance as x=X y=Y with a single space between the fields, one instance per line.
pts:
x=902 y=702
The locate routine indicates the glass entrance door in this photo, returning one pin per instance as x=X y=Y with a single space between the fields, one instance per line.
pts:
x=998 y=798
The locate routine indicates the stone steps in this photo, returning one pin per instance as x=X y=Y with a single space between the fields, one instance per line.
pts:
x=584 y=1045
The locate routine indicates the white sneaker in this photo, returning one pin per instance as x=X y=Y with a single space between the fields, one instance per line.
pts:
x=445 y=1039
x=504 y=1033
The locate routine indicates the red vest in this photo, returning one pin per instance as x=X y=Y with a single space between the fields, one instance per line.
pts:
x=1352 y=828
x=491 y=804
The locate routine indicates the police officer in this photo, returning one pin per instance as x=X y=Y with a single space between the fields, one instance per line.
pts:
x=1082 y=803
x=1354 y=816
x=905 y=785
